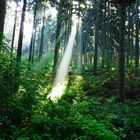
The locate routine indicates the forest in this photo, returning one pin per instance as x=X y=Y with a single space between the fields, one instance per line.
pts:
x=69 y=69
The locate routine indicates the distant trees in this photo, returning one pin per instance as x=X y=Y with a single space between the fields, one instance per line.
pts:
x=37 y=47
x=116 y=35
x=40 y=21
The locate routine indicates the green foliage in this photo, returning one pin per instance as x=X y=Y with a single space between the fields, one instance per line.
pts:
x=87 y=110
x=72 y=93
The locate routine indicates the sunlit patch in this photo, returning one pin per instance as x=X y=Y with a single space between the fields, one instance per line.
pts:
x=21 y=92
x=53 y=12
x=82 y=6
x=42 y=90
x=79 y=78
x=21 y=89
x=113 y=69
x=57 y=91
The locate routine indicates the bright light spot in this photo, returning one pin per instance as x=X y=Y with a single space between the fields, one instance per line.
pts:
x=82 y=5
x=28 y=26
x=88 y=2
x=11 y=4
x=126 y=23
x=28 y=30
x=57 y=91
x=75 y=2
x=112 y=69
x=53 y=12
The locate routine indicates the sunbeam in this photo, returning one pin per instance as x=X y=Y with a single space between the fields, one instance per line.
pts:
x=60 y=81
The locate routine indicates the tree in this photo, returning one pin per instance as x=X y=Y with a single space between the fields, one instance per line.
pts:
x=123 y=5
x=122 y=52
x=2 y=18
x=20 y=41
x=42 y=35
x=96 y=38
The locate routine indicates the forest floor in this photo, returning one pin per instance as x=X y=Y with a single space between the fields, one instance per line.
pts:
x=88 y=109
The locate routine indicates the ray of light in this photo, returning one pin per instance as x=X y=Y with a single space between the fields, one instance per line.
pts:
x=60 y=82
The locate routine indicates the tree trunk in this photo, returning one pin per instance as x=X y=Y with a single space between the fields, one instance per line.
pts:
x=42 y=37
x=2 y=18
x=104 y=33
x=96 y=39
x=122 y=53
x=33 y=43
x=85 y=51
x=57 y=46
x=20 y=41
x=96 y=52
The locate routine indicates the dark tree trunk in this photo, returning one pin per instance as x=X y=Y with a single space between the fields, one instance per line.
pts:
x=122 y=53
x=85 y=51
x=104 y=34
x=57 y=46
x=2 y=18
x=20 y=41
x=96 y=52
x=33 y=43
x=96 y=39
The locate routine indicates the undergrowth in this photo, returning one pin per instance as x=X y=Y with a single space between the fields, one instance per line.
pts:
x=88 y=109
